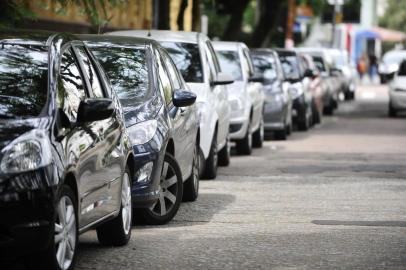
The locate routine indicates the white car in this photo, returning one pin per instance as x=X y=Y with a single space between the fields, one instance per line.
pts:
x=246 y=96
x=397 y=91
x=390 y=64
x=195 y=58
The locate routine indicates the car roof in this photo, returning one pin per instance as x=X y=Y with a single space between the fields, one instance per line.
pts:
x=116 y=41
x=263 y=51
x=162 y=35
x=227 y=45
x=29 y=37
x=284 y=52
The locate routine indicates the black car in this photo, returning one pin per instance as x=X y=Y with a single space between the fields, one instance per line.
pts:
x=64 y=156
x=301 y=94
x=162 y=125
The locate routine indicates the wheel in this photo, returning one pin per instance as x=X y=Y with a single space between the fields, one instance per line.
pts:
x=191 y=186
x=349 y=95
x=210 y=170
x=62 y=249
x=170 y=194
x=244 y=146
x=329 y=109
x=281 y=134
x=224 y=154
x=289 y=128
x=117 y=232
x=316 y=114
x=304 y=123
x=392 y=111
x=258 y=136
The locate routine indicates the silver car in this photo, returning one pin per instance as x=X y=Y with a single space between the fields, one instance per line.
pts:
x=278 y=100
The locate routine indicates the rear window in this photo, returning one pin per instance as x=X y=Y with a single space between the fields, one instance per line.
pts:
x=230 y=63
x=23 y=80
x=186 y=57
x=290 y=66
x=266 y=65
x=127 y=70
x=402 y=69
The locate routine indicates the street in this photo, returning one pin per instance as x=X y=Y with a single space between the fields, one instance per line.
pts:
x=330 y=198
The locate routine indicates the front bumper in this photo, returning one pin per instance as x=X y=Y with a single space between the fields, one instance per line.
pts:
x=27 y=212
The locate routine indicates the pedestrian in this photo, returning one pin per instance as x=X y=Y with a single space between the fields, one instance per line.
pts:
x=362 y=66
x=373 y=66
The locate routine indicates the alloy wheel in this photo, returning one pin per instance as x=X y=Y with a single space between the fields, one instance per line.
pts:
x=126 y=205
x=168 y=191
x=196 y=168
x=65 y=232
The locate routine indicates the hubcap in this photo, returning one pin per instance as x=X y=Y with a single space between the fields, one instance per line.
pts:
x=168 y=191
x=249 y=136
x=126 y=210
x=261 y=131
x=215 y=154
x=65 y=233
x=196 y=168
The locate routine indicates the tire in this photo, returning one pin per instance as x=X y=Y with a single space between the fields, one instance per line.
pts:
x=191 y=186
x=258 y=136
x=210 y=170
x=171 y=183
x=289 y=128
x=281 y=134
x=349 y=95
x=304 y=123
x=244 y=146
x=65 y=219
x=117 y=232
x=316 y=114
x=224 y=154
x=392 y=111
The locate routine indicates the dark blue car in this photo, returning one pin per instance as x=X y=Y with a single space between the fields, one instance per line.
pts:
x=161 y=122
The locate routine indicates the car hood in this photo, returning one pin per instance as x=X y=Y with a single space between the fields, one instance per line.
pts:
x=10 y=129
x=200 y=89
x=142 y=111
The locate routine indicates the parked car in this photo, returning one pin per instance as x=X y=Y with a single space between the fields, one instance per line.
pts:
x=390 y=64
x=315 y=85
x=161 y=122
x=246 y=95
x=194 y=56
x=278 y=100
x=397 y=91
x=348 y=72
x=331 y=77
x=64 y=159
x=300 y=90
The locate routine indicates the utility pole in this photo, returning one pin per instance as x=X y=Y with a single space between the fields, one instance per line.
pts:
x=289 y=43
x=337 y=18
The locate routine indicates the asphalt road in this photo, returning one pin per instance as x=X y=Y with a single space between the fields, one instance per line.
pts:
x=330 y=198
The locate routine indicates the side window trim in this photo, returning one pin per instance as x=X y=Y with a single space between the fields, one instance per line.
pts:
x=81 y=66
x=98 y=73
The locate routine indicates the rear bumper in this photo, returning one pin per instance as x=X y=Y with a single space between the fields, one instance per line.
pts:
x=27 y=215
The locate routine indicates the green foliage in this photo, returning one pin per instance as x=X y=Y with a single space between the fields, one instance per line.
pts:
x=11 y=13
x=217 y=22
x=395 y=16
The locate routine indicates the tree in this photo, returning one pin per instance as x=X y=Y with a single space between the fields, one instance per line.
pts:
x=395 y=16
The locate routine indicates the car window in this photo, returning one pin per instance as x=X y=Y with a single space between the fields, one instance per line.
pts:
x=90 y=73
x=127 y=70
x=230 y=63
x=266 y=65
x=163 y=79
x=290 y=66
x=173 y=74
x=70 y=86
x=186 y=57
x=23 y=80
x=318 y=60
x=402 y=69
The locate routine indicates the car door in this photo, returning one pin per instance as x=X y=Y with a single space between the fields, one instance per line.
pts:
x=179 y=134
x=105 y=154
x=220 y=94
x=254 y=89
x=186 y=113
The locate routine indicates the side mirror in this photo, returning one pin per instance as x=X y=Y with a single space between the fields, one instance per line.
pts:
x=223 y=79
x=183 y=98
x=309 y=73
x=257 y=77
x=95 y=109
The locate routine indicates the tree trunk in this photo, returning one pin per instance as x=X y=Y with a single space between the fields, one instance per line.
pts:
x=233 y=29
x=163 y=15
x=196 y=16
x=181 y=14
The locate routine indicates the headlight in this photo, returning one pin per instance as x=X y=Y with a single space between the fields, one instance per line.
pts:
x=296 y=91
x=142 y=132
x=28 y=152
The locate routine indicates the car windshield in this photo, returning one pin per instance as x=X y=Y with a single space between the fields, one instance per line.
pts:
x=127 y=70
x=394 y=57
x=186 y=57
x=318 y=61
x=230 y=63
x=290 y=66
x=402 y=69
x=265 y=65
x=23 y=80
